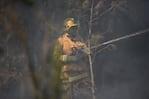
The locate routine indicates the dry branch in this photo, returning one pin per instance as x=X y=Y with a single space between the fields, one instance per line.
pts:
x=89 y=56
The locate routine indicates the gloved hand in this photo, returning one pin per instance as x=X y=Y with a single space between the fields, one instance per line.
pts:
x=86 y=50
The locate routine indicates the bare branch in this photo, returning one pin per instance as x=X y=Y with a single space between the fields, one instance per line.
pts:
x=89 y=56
x=99 y=51
x=98 y=6
x=103 y=13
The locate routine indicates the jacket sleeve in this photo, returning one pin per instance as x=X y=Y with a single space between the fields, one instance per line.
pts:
x=58 y=52
x=83 y=47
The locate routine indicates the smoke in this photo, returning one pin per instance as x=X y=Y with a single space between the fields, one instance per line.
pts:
x=122 y=73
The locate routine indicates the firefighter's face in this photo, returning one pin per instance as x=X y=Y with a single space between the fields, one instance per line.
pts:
x=73 y=30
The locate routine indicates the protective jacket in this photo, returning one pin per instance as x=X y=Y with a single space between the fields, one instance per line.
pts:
x=72 y=65
x=73 y=69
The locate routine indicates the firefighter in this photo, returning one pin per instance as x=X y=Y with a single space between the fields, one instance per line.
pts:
x=71 y=52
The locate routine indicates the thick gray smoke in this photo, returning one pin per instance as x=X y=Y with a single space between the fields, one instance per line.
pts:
x=120 y=73
x=123 y=72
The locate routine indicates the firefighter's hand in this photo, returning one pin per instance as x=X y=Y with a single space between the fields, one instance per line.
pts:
x=86 y=50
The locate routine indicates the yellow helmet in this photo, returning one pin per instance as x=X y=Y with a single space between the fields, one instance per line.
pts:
x=69 y=22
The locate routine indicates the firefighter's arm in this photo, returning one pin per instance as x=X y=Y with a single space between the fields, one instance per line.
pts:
x=83 y=47
x=65 y=57
x=69 y=58
x=75 y=57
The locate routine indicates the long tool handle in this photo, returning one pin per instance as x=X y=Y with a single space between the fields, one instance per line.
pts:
x=120 y=38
